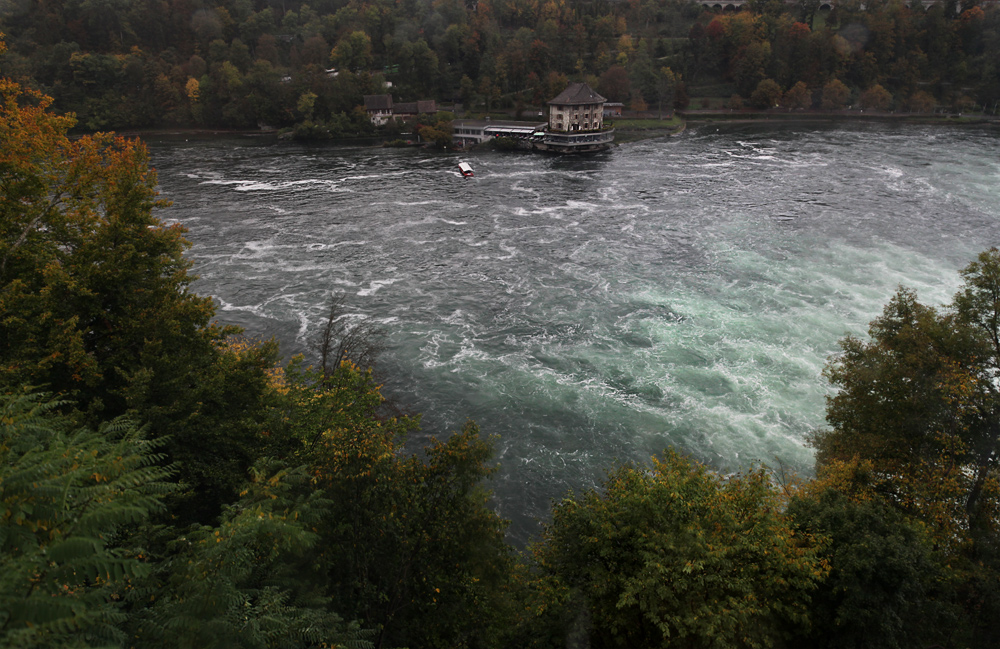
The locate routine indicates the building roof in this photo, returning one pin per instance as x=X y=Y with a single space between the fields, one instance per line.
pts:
x=415 y=107
x=578 y=93
x=378 y=102
x=477 y=123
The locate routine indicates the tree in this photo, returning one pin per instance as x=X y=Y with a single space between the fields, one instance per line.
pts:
x=977 y=306
x=440 y=138
x=875 y=98
x=885 y=587
x=749 y=67
x=922 y=102
x=353 y=52
x=919 y=403
x=254 y=580
x=835 y=95
x=766 y=95
x=798 y=97
x=614 y=84
x=672 y=555
x=76 y=227
x=411 y=545
x=95 y=303
x=670 y=91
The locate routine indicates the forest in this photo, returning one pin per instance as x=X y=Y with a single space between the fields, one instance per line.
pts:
x=285 y=64
x=166 y=481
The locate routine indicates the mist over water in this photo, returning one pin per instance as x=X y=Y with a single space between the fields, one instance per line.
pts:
x=679 y=292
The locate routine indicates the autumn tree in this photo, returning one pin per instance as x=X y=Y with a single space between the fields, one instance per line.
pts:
x=921 y=102
x=798 y=97
x=94 y=287
x=875 y=98
x=919 y=402
x=835 y=95
x=766 y=95
x=95 y=300
x=614 y=84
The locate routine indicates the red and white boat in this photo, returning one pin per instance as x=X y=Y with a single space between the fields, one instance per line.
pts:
x=465 y=169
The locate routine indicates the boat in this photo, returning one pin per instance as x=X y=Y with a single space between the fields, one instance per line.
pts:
x=465 y=169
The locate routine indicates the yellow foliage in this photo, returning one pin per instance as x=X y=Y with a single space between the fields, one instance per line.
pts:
x=193 y=90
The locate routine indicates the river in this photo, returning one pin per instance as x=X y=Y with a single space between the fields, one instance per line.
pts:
x=678 y=292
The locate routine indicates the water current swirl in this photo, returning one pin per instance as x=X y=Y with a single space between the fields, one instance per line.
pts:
x=679 y=292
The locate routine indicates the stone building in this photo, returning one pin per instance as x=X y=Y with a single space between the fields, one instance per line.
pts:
x=577 y=108
x=576 y=122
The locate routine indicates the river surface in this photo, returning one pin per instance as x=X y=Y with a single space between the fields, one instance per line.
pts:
x=679 y=292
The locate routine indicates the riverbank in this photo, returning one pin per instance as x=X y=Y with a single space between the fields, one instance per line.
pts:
x=726 y=115
x=627 y=129
x=637 y=128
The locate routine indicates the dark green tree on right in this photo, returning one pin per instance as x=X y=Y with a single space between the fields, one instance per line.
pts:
x=916 y=425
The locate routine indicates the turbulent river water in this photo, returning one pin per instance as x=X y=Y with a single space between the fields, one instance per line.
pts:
x=678 y=292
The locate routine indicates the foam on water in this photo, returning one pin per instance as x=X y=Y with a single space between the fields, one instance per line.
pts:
x=683 y=292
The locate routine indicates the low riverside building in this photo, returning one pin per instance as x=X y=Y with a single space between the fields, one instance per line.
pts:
x=470 y=132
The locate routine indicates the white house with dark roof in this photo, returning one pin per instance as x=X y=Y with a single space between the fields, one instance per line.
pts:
x=379 y=108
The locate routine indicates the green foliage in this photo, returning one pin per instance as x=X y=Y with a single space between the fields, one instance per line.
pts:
x=67 y=498
x=674 y=556
x=918 y=402
x=255 y=580
x=885 y=588
x=412 y=546
x=916 y=423
x=95 y=303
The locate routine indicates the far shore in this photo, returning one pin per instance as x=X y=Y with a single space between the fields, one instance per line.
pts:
x=640 y=126
x=726 y=115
